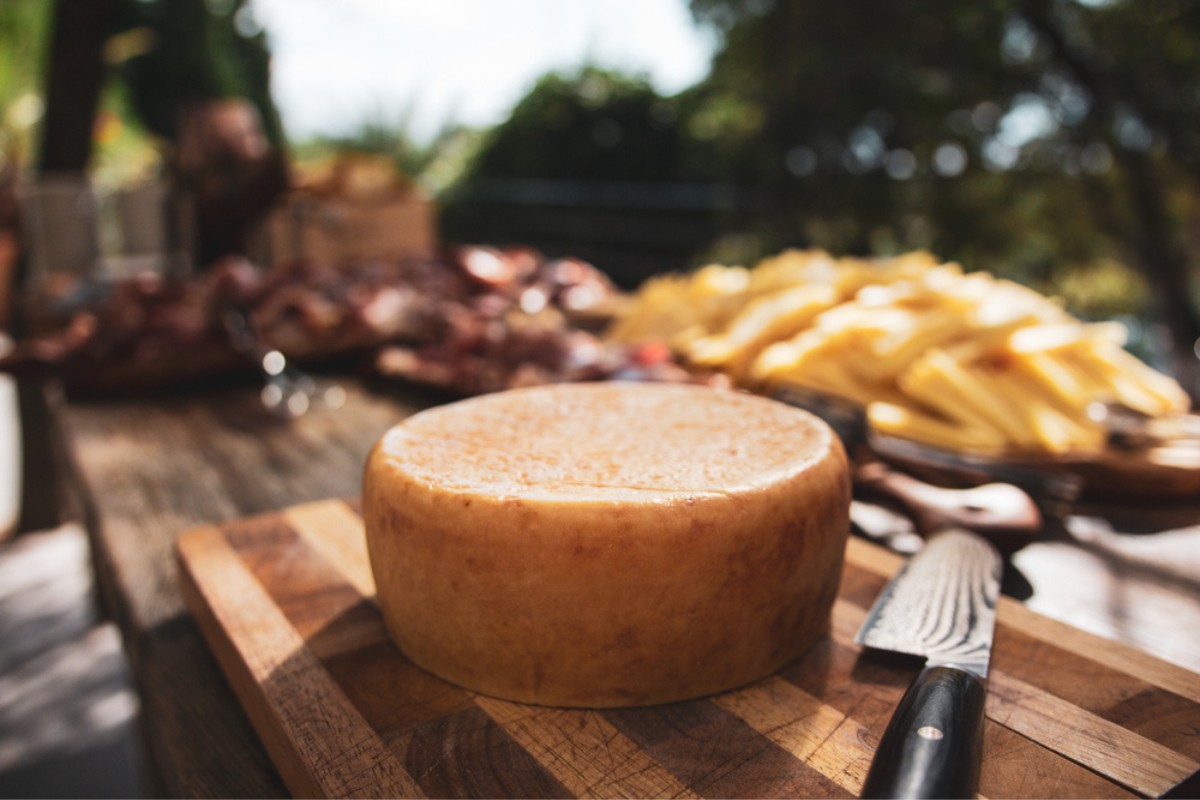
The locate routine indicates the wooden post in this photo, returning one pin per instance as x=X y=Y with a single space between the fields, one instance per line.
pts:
x=74 y=76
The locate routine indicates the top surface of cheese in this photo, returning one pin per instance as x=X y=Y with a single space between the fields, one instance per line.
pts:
x=607 y=442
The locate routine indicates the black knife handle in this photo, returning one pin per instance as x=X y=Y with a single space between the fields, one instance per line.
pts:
x=932 y=745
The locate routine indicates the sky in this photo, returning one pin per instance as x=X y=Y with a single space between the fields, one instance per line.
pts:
x=431 y=62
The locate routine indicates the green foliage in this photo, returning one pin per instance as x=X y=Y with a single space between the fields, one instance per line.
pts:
x=1103 y=289
x=24 y=29
x=376 y=137
x=1028 y=138
x=200 y=49
x=591 y=125
x=123 y=152
x=449 y=157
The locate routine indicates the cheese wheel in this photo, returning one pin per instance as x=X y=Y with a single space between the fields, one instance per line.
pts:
x=610 y=544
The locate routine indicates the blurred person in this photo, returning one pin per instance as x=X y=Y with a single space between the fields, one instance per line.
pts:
x=227 y=170
x=201 y=84
x=197 y=77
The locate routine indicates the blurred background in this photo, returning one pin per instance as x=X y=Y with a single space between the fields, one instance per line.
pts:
x=1052 y=141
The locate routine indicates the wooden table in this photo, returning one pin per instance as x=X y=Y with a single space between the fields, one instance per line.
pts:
x=150 y=470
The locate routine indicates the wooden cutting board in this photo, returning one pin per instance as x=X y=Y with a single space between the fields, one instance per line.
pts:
x=285 y=602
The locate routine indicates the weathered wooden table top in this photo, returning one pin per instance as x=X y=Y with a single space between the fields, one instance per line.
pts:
x=152 y=469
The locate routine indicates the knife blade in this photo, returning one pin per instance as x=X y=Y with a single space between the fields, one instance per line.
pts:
x=940 y=605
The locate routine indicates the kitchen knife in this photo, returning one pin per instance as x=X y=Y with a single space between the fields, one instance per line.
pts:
x=940 y=605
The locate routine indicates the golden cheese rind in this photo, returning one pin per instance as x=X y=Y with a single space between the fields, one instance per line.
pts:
x=607 y=544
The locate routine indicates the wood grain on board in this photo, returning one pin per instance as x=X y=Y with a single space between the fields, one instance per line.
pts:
x=285 y=602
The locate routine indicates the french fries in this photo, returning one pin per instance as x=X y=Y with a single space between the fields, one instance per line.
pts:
x=778 y=315
x=958 y=360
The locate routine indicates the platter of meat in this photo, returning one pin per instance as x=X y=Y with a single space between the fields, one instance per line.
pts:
x=521 y=321
x=467 y=320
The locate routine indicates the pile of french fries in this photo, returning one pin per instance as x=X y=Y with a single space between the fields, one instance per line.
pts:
x=959 y=360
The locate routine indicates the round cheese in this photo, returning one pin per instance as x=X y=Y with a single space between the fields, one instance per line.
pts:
x=609 y=544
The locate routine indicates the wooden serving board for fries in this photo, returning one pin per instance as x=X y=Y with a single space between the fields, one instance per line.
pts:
x=1170 y=472
x=285 y=602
